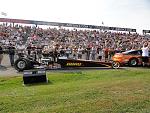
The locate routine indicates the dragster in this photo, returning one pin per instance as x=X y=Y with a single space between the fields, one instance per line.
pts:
x=27 y=63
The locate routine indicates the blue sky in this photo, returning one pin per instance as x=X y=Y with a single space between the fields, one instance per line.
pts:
x=116 y=13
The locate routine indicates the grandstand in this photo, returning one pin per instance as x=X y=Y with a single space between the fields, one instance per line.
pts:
x=81 y=37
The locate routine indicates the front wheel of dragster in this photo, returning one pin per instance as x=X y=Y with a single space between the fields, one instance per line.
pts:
x=22 y=64
x=115 y=64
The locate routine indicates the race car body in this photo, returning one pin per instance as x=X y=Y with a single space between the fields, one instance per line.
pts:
x=130 y=58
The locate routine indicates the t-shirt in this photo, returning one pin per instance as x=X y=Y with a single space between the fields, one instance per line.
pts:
x=20 y=48
x=29 y=50
x=80 y=50
x=11 y=50
x=39 y=50
x=145 y=51
x=88 y=50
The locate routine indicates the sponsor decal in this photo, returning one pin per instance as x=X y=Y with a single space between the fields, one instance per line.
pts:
x=73 y=64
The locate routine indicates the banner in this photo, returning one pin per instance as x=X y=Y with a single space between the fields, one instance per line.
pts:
x=146 y=31
x=65 y=24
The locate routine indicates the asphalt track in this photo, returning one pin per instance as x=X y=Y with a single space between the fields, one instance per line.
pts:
x=6 y=69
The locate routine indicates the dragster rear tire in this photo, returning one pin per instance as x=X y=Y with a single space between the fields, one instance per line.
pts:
x=22 y=64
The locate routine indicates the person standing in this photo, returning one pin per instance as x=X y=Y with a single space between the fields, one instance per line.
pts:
x=20 y=50
x=29 y=49
x=1 y=54
x=11 y=52
x=106 y=53
x=145 y=54
x=88 y=51
x=100 y=52
x=39 y=52
x=80 y=51
x=75 y=50
x=93 y=52
x=62 y=51
x=68 y=52
x=55 y=55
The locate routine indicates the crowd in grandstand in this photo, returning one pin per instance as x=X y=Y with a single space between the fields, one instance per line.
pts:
x=75 y=43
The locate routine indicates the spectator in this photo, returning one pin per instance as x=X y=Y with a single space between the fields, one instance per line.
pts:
x=70 y=38
x=93 y=52
x=62 y=51
x=100 y=53
x=75 y=50
x=11 y=52
x=29 y=48
x=87 y=52
x=20 y=50
x=80 y=51
x=39 y=53
x=68 y=52
x=1 y=54
x=55 y=55
x=106 y=51
x=145 y=54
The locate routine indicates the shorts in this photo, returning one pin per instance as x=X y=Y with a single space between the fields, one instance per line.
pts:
x=106 y=56
x=145 y=59
x=99 y=57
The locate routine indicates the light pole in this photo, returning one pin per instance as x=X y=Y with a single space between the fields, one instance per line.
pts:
x=4 y=14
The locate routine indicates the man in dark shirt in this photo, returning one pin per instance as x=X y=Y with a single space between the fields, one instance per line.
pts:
x=29 y=49
x=11 y=52
x=88 y=51
x=1 y=53
x=39 y=52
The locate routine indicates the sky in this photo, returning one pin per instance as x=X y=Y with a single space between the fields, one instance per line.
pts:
x=115 y=13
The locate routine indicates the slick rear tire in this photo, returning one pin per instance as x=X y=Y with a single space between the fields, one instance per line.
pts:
x=21 y=64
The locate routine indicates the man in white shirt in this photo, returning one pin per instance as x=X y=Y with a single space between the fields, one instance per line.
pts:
x=80 y=51
x=20 y=50
x=68 y=51
x=145 y=54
